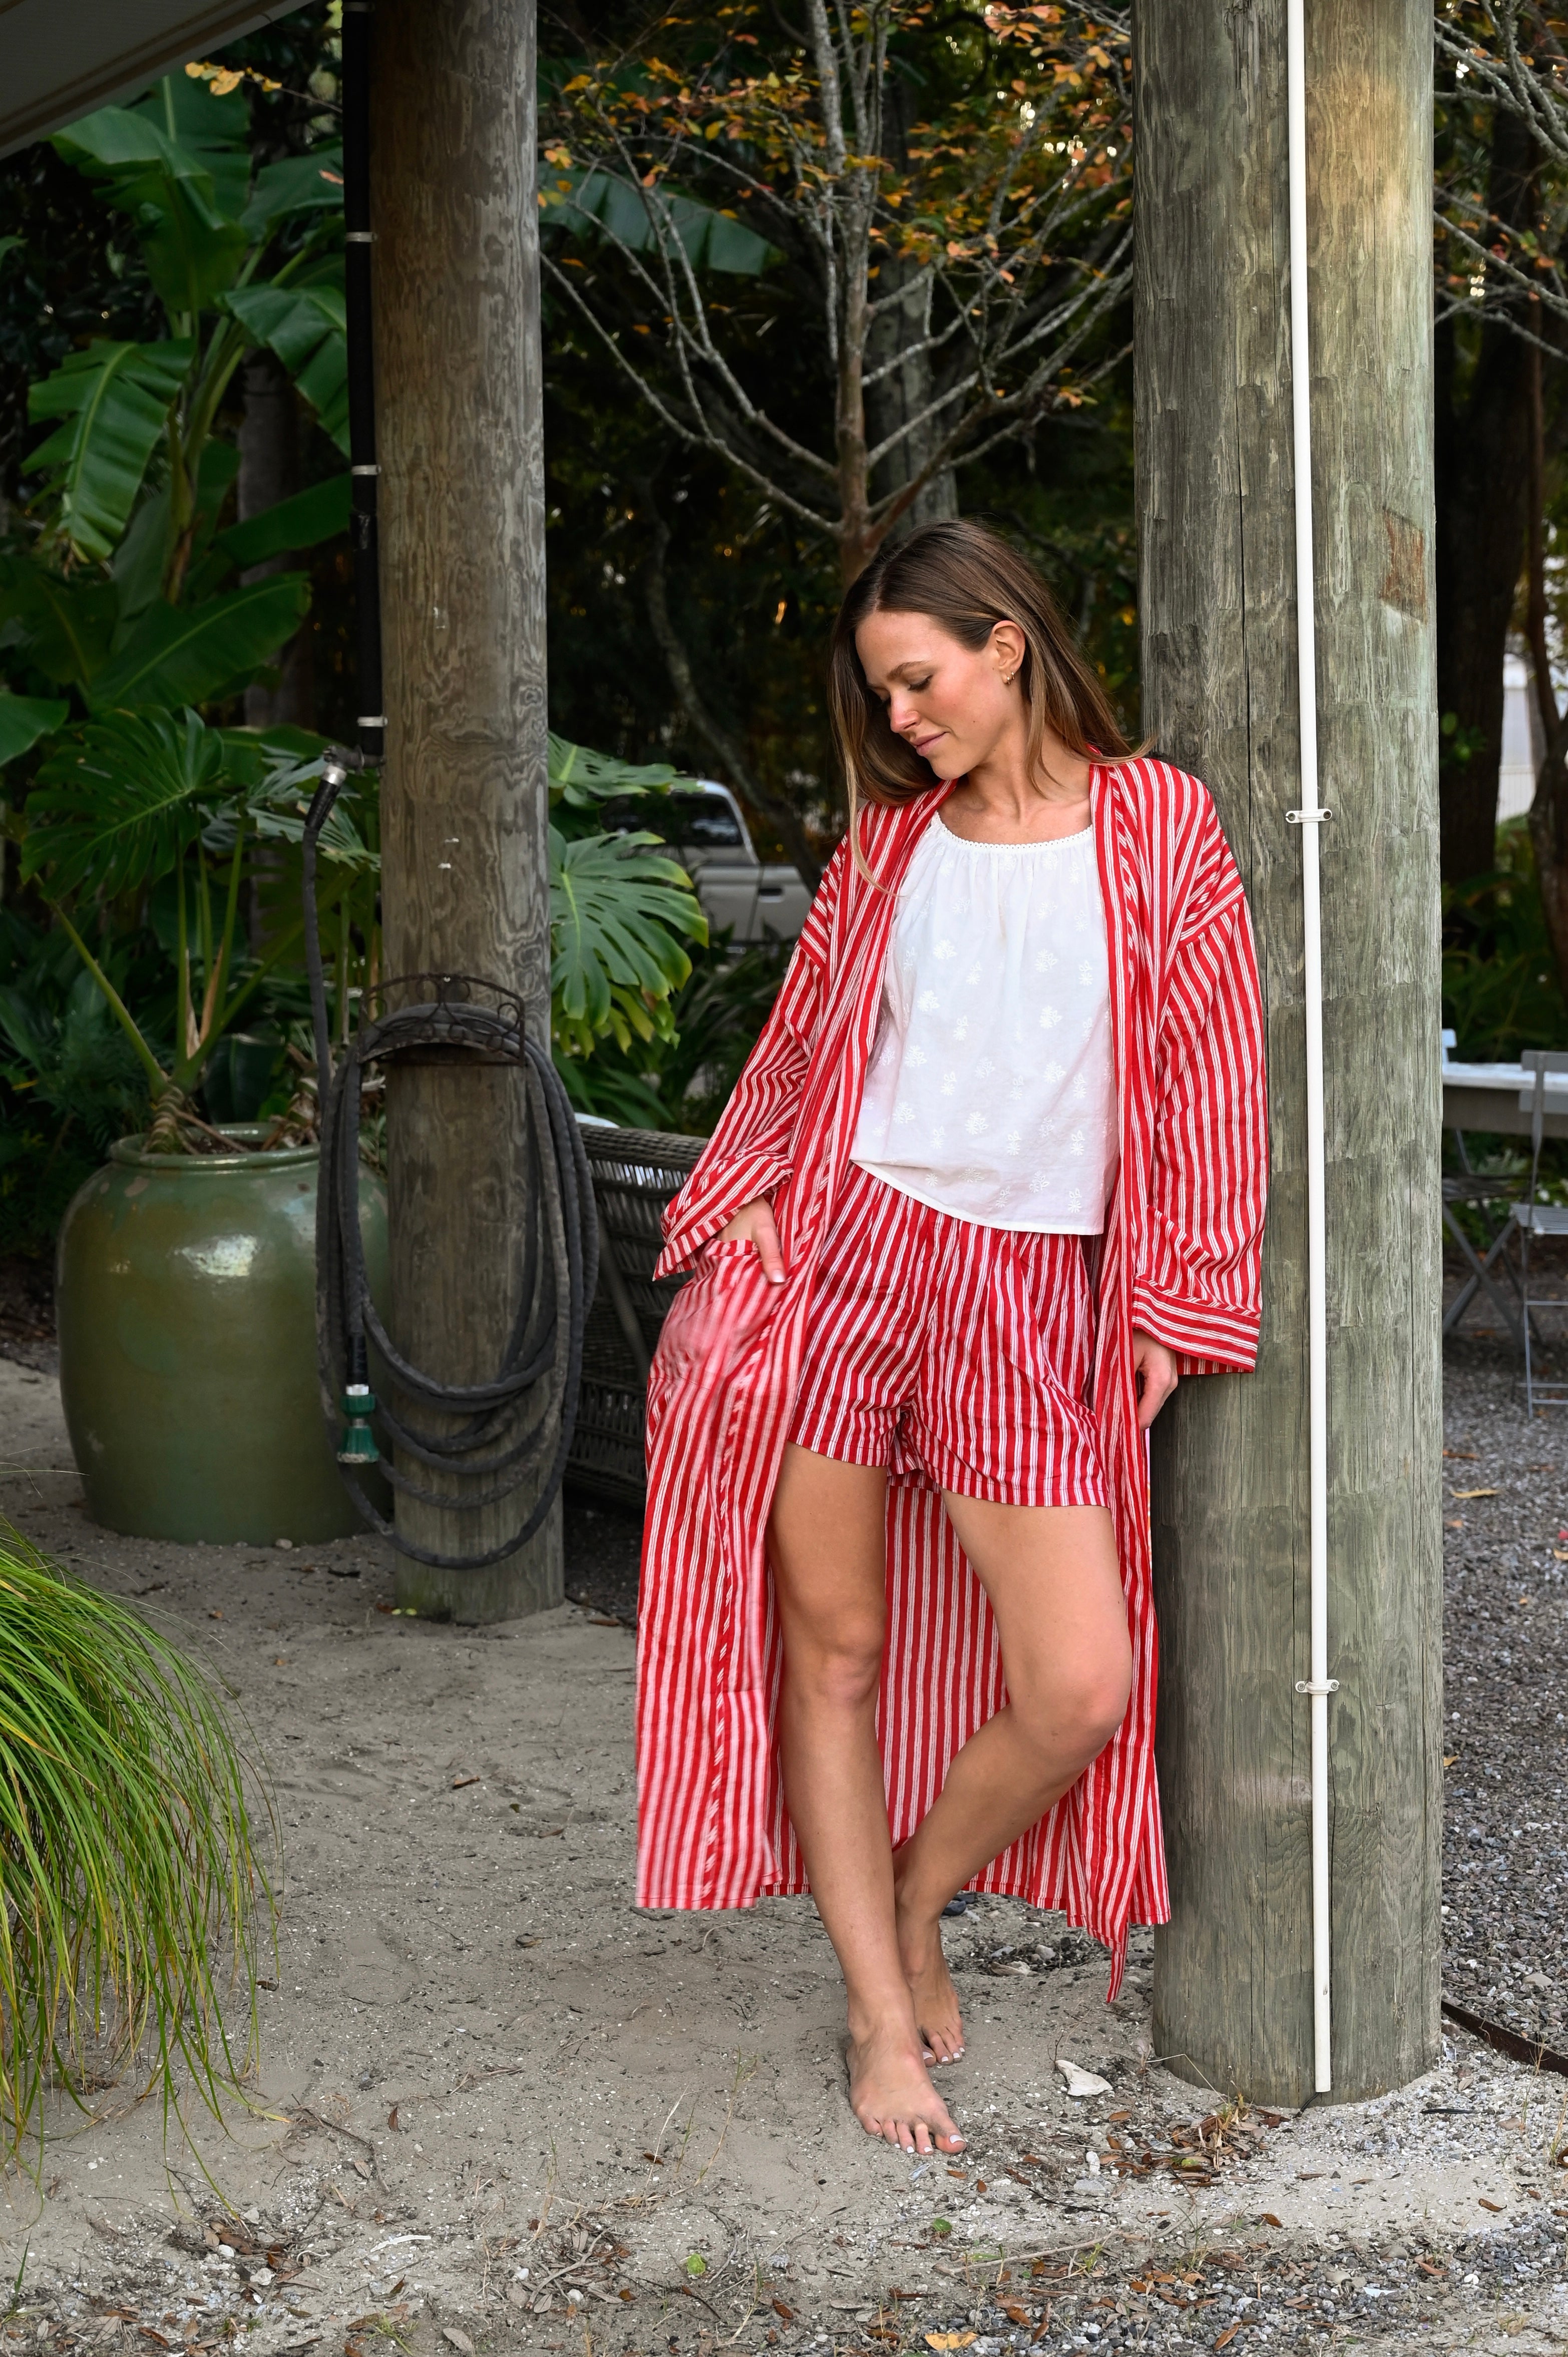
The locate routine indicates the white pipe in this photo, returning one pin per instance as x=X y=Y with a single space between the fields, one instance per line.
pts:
x=1310 y=818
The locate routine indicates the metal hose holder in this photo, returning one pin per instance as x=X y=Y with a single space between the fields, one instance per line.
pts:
x=425 y=1015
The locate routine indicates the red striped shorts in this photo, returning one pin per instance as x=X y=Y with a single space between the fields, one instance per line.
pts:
x=936 y=1347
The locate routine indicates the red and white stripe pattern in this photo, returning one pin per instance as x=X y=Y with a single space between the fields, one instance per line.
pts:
x=1180 y=1260
x=950 y=1352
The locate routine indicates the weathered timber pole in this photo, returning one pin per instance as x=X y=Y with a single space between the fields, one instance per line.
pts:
x=1232 y=1981
x=465 y=877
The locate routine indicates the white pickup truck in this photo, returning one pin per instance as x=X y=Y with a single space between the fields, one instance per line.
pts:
x=702 y=825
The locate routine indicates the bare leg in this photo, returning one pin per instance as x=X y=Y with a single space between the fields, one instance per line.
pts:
x=1051 y=1574
x=826 y=1543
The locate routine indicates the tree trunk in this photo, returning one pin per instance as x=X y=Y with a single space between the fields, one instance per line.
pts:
x=1549 y=806
x=466 y=874
x=908 y=390
x=1233 y=1994
x=1482 y=430
x=270 y=471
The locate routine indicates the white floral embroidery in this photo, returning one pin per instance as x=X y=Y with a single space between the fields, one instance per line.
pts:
x=963 y=1105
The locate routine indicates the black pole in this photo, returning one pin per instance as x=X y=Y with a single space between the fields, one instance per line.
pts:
x=363 y=470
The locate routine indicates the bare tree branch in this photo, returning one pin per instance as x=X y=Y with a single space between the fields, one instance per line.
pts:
x=779 y=814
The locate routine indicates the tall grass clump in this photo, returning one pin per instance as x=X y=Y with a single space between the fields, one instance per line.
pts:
x=134 y=1895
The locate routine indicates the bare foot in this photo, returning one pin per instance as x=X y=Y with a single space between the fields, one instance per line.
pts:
x=892 y=2097
x=930 y=1988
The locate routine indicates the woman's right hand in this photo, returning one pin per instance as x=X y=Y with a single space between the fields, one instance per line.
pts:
x=753 y=1224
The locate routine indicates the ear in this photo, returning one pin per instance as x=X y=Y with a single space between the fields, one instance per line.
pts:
x=1008 y=648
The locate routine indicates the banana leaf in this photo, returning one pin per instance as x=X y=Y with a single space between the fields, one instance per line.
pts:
x=309 y=517
x=304 y=325
x=297 y=184
x=215 y=131
x=193 y=250
x=63 y=624
x=24 y=719
x=138 y=562
x=114 y=399
x=121 y=801
x=616 y=903
x=583 y=202
x=191 y=655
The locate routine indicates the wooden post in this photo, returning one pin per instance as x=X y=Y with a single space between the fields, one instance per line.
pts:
x=1232 y=1983
x=466 y=877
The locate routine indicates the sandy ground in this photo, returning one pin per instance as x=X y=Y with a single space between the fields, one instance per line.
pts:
x=497 y=2108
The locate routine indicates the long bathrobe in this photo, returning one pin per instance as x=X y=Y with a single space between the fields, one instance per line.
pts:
x=1179 y=1260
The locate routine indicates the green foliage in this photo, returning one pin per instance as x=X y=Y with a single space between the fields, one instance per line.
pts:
x=200 y=654
x=306 y=326
x=24 y=719
x=69 y=1080
x=115 y=399
x=616 y=904
x=134 y=1891
x=120 y=804
x=681 y=1079
x=1500 y=991
x=645 y=220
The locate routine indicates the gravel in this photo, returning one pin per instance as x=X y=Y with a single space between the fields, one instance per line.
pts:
x=1505 y=1865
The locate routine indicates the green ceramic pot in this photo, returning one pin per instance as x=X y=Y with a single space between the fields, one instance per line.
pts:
x=185 y=1301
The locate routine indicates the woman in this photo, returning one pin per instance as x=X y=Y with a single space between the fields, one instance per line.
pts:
x=990 y=1185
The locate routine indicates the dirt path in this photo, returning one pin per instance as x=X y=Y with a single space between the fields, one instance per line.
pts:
x=497 y=2106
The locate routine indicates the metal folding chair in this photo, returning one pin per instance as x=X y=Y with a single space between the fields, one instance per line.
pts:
x=1481 y=1191
x=1534 y=1222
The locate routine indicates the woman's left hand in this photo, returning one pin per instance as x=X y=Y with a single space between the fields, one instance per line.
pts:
x=1154 y=1372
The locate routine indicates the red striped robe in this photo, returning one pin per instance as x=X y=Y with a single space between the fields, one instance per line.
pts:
x=1180 y=1260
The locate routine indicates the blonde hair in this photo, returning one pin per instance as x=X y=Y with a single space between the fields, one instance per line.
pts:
x=968 y=579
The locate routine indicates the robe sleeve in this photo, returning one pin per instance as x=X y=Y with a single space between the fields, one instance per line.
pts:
x=751 y=1152
x=1197 y=1288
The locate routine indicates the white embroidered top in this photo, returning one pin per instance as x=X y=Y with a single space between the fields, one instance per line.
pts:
x=991 y=1093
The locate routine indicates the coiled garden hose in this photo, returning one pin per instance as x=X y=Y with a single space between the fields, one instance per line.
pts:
x=559 y=1244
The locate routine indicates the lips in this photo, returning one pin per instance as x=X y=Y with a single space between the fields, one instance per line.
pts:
x=922 y=744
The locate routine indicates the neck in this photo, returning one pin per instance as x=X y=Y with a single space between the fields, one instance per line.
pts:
x=1007 y=789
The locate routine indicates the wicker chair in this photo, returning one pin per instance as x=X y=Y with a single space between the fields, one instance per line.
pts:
x=636 y=1173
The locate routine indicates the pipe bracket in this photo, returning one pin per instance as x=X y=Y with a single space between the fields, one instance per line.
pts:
x=1318 y=1686
x=1306 y=817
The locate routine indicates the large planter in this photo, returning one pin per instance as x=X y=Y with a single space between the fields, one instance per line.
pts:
x=186 y=1300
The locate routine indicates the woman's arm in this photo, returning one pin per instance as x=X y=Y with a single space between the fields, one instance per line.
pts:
x=750 y=1153
x=1196 y=1287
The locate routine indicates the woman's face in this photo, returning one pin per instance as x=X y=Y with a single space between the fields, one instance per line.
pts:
x=953 y=706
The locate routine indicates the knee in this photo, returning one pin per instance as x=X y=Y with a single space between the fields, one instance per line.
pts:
x=1073 y=1716
x=838 y=1667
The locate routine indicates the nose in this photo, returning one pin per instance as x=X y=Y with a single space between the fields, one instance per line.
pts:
x=901 y=713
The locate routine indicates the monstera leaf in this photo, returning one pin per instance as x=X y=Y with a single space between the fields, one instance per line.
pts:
x=179 y=654
x=581 y=777
x=114 y=399
x=119 y=803
x=616 y=904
